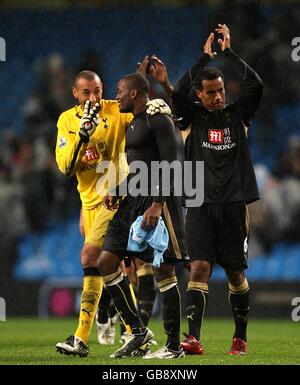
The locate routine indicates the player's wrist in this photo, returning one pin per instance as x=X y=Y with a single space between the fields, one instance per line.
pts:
x=167 y=86
x=84 y=136
x=157 y=202
x=228 y=50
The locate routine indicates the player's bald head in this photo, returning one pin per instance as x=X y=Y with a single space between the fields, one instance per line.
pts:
x=138 y=82
x=87 y=75
x=87 y=86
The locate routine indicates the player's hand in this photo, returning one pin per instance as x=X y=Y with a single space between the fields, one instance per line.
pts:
x=111 y=202
x=89 y=121
x=158 y=106
x=151 y=216
x=142 y=67
x=224 y=30
x=158 y=70
x=207 y=46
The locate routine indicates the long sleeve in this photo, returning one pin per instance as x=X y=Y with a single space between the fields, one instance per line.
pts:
x=168 y=146
x=249 y=102
x=181 y=101
x=69 y=147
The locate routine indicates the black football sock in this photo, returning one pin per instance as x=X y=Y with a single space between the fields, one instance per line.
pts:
x=239 y=302
x=146 y=293
x=197 y=298
x=118 y=287
x=171 y=311
x=112 y=310
x=103 y=307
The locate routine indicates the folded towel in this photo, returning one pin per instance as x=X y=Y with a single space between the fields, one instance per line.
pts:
x=157 y=238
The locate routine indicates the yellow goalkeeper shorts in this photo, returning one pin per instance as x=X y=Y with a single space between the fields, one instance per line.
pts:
x=95 y=223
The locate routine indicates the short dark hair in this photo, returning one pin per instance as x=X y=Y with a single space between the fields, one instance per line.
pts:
x=139 y=82
x=87 y=75
x=208 y=73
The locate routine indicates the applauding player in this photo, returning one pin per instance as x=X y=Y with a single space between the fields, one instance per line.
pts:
x=218 y=231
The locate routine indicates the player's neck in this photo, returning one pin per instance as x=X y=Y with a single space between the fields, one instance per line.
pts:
x=140 y=106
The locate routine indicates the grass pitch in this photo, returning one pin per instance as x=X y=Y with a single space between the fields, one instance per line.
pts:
x=28 y=341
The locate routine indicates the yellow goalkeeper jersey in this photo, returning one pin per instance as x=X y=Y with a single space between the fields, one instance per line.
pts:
x=87 y=161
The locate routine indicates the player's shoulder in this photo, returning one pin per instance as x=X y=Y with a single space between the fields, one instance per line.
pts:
x=232 y=107
x=111 y=107
x=159 y=120
x=107 y=104
x=70 y=113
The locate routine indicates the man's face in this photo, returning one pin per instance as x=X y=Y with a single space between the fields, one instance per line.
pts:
x=212 y=94
x=88 y=90
x=125 y=97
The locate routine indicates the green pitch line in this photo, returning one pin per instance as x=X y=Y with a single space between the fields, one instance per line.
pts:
x=30 y=341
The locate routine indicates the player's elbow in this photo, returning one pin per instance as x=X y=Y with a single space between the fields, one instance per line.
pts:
x=260 y=83
x=181 y=123
x=257 y=89
x=260 y=90
x=64 y=169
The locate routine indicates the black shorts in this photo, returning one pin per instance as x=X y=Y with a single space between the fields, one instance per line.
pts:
x=219 y=232
x=116 y=238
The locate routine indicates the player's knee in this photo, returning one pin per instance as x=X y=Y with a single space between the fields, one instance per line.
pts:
x=107 y=263
x=89 y=255
x=200 y=271
x=236 y=278
x=164 y=272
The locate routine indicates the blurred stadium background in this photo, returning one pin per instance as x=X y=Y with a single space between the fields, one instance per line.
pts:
x=47 y=42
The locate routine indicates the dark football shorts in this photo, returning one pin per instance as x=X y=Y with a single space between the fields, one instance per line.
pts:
x=130 y=208
x=219 y=233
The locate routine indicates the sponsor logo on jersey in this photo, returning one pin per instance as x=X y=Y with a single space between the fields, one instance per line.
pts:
x=88 y=167
x=215 y=136
x=219 y=147
x=62 y=142
x=91 y=154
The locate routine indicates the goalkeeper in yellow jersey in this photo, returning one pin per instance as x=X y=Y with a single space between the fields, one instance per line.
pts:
x=88 y=135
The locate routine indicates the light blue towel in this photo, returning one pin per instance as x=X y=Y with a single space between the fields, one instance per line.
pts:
x=157 y=238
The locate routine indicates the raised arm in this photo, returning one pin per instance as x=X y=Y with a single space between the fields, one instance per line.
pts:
x=159 y=72
x=156 y=67
x=181 y=101
x=249 y=102
x=70 y=145
x=69 y=148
